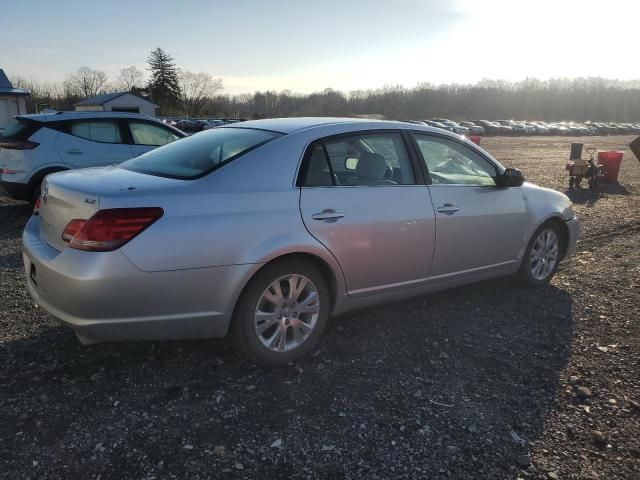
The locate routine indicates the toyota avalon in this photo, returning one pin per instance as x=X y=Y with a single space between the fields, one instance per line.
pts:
x=264 y=229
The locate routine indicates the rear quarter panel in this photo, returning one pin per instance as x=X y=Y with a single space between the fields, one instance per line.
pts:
x=27 y=163
x=245 y=212
x=214 y=229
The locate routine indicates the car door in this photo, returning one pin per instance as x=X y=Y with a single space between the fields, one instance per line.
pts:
x=360 y=198
x=92 y=143
x=146 y=136
x=478 y=224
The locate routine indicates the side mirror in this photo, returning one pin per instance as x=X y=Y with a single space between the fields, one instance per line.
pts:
x=512 y=177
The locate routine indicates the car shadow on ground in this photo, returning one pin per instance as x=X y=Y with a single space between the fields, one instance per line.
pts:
x=442 y=379
x=14 y=217
x=588 y=197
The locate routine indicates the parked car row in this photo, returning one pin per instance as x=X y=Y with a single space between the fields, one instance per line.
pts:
x=193 y=125
x=513 y=127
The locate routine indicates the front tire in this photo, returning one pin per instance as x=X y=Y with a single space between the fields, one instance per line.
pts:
x=542 y=256
x=282 y=313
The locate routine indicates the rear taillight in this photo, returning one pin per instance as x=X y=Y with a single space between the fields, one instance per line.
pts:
x=36 y=207
x=110 y=229
x=71 y=229
x=7 y=171
x=19 y=145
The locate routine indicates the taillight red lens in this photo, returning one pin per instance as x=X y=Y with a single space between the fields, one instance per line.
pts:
x=110 y=229
x=19 y=145
x=36 y=207
x=71 y=229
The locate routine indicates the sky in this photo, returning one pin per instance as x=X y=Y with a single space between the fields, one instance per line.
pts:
x=308 y=45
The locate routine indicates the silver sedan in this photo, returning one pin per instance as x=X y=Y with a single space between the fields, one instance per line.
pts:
x=266 y=228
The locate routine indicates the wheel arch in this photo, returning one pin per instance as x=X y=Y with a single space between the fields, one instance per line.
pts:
x=558 y=221
x=334 y=282
x=564 y=232
x=38 y=176
x=334 y=278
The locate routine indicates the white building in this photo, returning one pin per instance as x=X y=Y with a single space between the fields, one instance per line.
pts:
x=117 y=102
x=12 y=101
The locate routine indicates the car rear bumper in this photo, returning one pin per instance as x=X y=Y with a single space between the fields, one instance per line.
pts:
x=102 y=296
x=573 y=227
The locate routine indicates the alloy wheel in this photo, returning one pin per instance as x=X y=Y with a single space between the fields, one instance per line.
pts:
x=287 y=312
x=544 y=254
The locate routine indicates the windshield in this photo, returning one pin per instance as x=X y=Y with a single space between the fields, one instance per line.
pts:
x=196 y=156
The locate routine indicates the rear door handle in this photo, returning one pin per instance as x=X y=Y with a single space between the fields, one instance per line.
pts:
x=327 y=214
x=448 y=208
x=75 y=151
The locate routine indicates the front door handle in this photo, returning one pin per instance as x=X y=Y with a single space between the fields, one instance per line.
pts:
x=327 y=214
x=75 y=151
x=448 y=208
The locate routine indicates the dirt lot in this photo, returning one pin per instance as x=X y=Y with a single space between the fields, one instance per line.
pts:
x=475 y=382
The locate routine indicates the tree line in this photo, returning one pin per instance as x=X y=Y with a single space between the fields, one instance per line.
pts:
x=184 y=93
x=175 y=91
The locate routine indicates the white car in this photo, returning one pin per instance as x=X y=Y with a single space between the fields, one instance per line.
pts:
x=453 y=126
x=473 y=128
x=518 y=127
x=37 y=145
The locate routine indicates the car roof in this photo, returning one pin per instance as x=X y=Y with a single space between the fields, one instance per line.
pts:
x=326 y=126
x=57 y=116
x=294 y=124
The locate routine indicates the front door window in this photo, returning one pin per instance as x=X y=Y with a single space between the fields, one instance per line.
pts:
x=451 y=163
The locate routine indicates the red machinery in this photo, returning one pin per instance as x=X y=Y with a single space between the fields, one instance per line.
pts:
x=579 y=168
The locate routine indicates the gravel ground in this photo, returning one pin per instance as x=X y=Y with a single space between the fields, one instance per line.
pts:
x=488 y=381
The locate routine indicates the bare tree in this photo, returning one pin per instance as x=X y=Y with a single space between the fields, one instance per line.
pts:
x=87 y=82
x=129 y=78
x=43 y=92
x=555 y=99
x=196 y=90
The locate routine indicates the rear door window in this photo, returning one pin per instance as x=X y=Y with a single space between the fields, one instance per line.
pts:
x=97 y=131
x=361 y=159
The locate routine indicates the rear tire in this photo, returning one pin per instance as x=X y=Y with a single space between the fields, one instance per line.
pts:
x=542 y=256
x=282 y=313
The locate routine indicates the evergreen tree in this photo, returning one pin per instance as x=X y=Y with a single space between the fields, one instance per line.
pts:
x=163 y=84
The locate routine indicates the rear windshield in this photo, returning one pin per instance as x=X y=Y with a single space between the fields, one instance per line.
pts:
x=19 y=130
x=195 y=156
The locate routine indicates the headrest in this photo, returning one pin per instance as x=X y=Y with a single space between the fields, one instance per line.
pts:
x=371 y=165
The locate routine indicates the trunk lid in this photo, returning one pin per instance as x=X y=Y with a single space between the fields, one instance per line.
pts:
x=78 y=194
x=59 y=204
